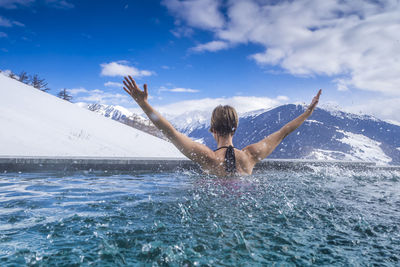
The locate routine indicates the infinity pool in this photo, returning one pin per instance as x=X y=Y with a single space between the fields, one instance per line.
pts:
x=323 y=216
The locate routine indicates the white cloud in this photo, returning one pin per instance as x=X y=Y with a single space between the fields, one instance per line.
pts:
x=17 y=23
x=121 y=68
x=178 y=90
x=241 y=103
x=62 y=4
x=12 y=4
x=383 y=108
x=5 y=22
x=113 y=84
x=282 y=98
x=76 y=91
x=212 y=46
x=355 y=42
x=183 y=90
x=202 y=14
x=182 y=31
x=99 y=96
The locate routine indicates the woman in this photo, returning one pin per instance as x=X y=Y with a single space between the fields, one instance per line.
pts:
x=226 y=160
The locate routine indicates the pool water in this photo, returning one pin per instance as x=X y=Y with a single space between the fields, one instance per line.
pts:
x=324 y=216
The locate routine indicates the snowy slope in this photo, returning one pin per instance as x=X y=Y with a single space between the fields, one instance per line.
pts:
x=34 y=123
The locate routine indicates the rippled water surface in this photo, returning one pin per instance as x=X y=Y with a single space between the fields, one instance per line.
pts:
x=325 y=216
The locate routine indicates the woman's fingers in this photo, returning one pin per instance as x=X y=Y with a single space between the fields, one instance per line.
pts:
x=315 y=100
x=319 y=93
x=133 y=90
x=127 y=85
x=126 y=90
x=133 y=82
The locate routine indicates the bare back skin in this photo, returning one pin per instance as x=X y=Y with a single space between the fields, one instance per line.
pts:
x=243 y=163
x=213 y=162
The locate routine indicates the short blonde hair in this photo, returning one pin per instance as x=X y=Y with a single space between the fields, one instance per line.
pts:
x=224 y=120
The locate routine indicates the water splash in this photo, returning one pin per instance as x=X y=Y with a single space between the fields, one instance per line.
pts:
x=323 y=216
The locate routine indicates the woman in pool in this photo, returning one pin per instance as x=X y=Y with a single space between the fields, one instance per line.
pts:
x=226 y=160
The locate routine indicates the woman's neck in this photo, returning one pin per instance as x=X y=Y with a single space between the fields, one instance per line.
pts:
x=224 y=140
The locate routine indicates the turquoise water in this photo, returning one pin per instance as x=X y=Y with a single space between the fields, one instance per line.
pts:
x=324 y=216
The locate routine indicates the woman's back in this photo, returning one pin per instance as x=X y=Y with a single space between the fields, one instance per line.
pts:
x=218 y=165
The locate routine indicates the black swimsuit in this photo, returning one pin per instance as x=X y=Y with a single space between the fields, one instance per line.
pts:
x=230 y=160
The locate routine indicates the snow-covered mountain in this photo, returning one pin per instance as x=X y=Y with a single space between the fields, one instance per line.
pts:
x=188 y=122
x=117 y=113
x=125 y=116
x=34 y=123
x=329 y=134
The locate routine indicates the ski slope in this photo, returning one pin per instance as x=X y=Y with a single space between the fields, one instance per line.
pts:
x=34 y=123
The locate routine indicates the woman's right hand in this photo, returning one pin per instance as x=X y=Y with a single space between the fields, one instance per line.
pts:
x=134 y=91
x=314 y=102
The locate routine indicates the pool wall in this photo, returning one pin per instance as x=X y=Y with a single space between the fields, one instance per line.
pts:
x=24 y=164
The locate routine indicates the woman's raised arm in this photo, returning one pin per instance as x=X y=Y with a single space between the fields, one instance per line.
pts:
x=193 y=150
x=262 y=149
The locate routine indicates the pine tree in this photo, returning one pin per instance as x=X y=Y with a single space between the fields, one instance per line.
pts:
x=39 y=83
x=23 y=77
x=63 y=94
x=12 y=75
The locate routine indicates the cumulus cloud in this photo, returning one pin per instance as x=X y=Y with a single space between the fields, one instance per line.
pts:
x=12 y=4
x=178 y=90
x=17 y=23
x=202 y=14
x=212 y=46
x=121 y=68
x=383 y=108
x=98 y=96
x=5 y=22
x=76 y=91
x=241 y=103
x=61 y=4
x=113 y=84
x=355 y=42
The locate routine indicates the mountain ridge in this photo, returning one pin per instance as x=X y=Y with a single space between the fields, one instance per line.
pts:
x=329 y=134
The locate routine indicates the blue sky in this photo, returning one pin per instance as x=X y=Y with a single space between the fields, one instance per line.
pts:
x=274 y=52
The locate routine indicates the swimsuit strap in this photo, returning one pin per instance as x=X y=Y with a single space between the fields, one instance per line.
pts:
x=230 y=160
x=223 y=147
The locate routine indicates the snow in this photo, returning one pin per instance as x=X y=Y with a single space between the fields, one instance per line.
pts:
x=255 y=113
x=393 y=122
x=314 y=121
x=189 y=121
x=115 y=112
x=34 y=123
x=342 y=113
x=364 y=148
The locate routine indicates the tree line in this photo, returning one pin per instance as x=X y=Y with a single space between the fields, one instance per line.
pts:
x=38 y=83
